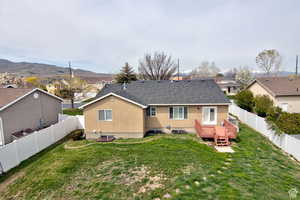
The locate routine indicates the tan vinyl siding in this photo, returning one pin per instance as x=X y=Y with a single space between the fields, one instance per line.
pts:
x=130 y=120
x=127 y=118
x=292 y=101
x=257 y=89
x=162 y=120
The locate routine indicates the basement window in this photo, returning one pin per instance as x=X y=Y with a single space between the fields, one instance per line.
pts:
x=105 y=115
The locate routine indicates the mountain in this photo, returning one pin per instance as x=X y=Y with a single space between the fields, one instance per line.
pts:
x=280 y=73
x=42 y=70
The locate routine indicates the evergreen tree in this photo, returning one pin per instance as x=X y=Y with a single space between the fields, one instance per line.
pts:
x=126 y=75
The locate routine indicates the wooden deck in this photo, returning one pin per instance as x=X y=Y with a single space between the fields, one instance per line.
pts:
x=220 y=134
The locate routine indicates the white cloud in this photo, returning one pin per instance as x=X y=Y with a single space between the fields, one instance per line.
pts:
x=102 y=35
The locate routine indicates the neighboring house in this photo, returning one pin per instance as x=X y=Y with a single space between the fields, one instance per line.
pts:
x=229 y=87
x=54 y=87
x=284 y=91
x=26 y=110
x=131 y=110
x=10 y=86
x=98 y=82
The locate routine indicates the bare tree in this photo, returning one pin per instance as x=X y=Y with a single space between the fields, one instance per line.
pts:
x=206 y=69
x=158 y=66
x=269 y=60
x=243 y=76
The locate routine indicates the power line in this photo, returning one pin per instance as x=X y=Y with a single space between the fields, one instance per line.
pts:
x=178 y=70
x=296 y=65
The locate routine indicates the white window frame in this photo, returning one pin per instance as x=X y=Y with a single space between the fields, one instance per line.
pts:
x=105 y=115
x=216 y=115
x=178 y=107
x=284 y=104
x=151 y=114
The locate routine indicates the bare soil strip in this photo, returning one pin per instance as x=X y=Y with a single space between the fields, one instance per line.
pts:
x=10 y=180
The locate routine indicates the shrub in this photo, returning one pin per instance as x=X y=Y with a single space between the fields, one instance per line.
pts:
x=283 y=122
x=263 y=104
x=245 y=100
x=231 y=97
x=72 y=111
x=77 y=134
x=89 y=100
x=274 y=114
x=289 y=123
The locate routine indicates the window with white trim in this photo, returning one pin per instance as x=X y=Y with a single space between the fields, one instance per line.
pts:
x=178 y=112
x=152 y=111
x=105 y=115
x=284 y=107
x=209 y=115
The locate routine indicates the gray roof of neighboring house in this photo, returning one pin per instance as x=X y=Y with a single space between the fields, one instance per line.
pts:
x=10 y=95
x=204 y=91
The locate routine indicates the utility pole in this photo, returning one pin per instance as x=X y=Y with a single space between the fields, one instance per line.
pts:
x=178 y=70
x=70 y=85
x=296 y=65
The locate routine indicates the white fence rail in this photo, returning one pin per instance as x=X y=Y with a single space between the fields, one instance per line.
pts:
x=288 y=143
x=19 y=150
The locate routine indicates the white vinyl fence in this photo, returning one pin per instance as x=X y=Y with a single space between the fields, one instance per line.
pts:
x=288 y=143
x=19 y=150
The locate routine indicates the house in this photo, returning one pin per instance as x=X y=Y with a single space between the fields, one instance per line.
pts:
x=10 y=86
x=24 y=110
x=98 y=82
x=131 y=110
x=54 y=87
x=284 y=91
x=229 y=87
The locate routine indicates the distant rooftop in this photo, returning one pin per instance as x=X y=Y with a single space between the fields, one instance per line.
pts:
x=93 y=80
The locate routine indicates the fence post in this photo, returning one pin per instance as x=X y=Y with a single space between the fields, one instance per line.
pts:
x=256 y=123
x=17 y=151
x=36 y=141
x=52 y=134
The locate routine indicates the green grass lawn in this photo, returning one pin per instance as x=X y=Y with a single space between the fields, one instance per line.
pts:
x=73 y=111
x=180 y=166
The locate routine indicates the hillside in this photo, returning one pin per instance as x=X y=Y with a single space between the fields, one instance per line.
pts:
x=42 y=70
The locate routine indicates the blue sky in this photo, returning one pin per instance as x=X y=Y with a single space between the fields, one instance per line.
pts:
x=102 y=35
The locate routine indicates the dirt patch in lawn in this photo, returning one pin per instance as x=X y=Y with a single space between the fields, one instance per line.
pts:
x=187 y=170
x=142 y=177
x=153 y=183
x=10 y=180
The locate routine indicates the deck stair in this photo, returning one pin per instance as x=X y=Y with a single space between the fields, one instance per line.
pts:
x=222 y=141
x=220 y=134
x=221 y=137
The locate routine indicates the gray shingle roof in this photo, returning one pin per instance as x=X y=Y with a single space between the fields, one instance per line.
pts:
x=204 y=91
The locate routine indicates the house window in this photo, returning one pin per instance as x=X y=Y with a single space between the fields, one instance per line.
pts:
x=209 y=115
x=178 y=112
x=284 y=107
x=105 y=115
x=152 y=111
